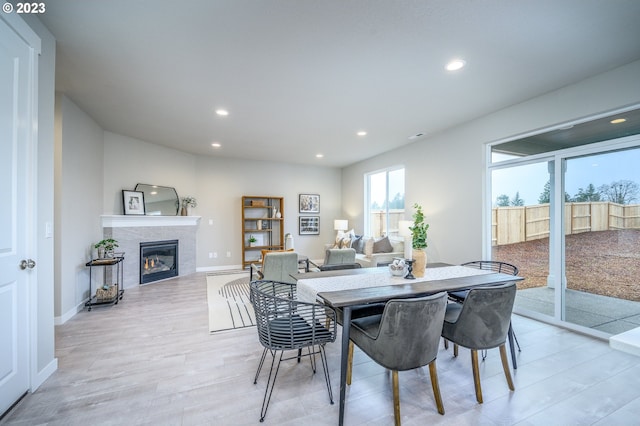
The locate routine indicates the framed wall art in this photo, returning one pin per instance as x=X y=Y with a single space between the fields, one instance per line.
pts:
x=133 y=202
x=309 y=225
x=309 y=203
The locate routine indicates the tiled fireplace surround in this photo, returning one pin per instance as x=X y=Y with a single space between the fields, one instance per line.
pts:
x=130 y=231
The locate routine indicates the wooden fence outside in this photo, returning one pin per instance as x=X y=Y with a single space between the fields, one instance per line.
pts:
x=525 y=223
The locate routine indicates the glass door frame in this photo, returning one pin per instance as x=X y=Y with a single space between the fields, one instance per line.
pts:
x=557 y=167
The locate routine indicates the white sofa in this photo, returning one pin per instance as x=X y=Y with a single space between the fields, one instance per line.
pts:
x=368 y=258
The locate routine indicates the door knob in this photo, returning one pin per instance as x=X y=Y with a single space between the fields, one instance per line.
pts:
x=28 y=263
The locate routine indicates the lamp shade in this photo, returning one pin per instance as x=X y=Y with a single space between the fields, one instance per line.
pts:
x=403 y=228
x=340 y=225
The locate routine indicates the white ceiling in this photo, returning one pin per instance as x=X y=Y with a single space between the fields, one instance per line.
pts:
x=302 y=77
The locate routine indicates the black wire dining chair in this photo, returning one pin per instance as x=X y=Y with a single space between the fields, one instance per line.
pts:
x=285 y=324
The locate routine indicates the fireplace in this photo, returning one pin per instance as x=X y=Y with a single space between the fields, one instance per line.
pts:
x=158 y=260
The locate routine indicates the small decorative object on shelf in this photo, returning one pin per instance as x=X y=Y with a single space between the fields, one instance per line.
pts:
x=106 y=247
x=187 y=204
x=252 y=240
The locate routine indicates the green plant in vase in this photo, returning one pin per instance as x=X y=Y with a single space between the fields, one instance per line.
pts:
x=252 y=240
x=419 y=241
x=105 y=247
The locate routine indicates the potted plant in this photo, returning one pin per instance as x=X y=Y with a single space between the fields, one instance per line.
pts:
x=187 y=204
x=105 y=247
x=419 y=241
x=252 y=240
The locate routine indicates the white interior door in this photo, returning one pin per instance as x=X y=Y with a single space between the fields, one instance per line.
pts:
x=16 y=103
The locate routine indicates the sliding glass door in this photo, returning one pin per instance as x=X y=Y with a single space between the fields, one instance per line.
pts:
x=602 y=241
x=569 y=219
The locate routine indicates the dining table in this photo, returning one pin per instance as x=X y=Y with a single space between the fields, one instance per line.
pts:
x=350 y=288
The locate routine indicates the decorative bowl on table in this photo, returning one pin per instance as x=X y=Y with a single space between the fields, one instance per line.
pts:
x=398 y=268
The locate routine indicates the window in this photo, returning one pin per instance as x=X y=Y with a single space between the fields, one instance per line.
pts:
x=384 y=204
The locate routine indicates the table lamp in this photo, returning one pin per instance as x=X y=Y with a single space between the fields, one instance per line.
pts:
x=340 y=225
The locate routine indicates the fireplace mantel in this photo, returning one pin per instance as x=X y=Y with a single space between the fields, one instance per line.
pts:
x=126 y=221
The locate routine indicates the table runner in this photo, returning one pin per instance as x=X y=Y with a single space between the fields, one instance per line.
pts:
x=308 y=289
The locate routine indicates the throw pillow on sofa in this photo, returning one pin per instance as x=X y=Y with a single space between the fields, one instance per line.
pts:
x=368 y=247
x=357 y=244
x=345 y=243
x=383 y=245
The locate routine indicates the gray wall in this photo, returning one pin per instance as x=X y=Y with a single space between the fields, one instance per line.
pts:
x=79 y=189
x=94 y=166
x=446 y=171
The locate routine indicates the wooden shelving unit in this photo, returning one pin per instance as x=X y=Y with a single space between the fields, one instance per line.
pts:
x=258 y=220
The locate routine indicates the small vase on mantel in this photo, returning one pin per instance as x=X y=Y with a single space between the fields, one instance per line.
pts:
x=183 y=211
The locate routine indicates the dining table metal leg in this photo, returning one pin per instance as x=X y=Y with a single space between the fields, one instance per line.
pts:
x=344 y=356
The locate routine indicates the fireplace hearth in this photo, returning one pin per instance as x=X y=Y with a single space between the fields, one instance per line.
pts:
x=158 y=260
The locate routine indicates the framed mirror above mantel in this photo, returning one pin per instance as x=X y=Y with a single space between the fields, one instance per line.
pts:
x=159 y=200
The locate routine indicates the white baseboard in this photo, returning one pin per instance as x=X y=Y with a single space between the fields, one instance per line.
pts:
x=217 y=268
x=69 y=314
x=43 y=375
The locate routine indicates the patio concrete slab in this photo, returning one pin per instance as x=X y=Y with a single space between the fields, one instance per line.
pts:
x=607 y=314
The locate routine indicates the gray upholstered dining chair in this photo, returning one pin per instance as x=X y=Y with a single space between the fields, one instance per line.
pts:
x=277 y=266
x=405 y=336
x=286 y=324
x=481 y=322
x=495 y=266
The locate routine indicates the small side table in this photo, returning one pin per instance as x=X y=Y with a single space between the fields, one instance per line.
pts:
x=118 y=276
x=303 y=261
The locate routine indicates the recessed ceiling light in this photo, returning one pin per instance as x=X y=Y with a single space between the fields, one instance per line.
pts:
x=362 y=133
x=216 y=145
x=222 y=112
x=455 y=65
x=154 y=192
x=618 y=120
x=319 y=155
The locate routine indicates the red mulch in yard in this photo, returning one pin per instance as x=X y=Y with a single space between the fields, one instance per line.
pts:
x=606 y=263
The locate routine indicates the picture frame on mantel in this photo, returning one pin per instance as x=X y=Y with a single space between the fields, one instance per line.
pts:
x=309 y=225
x=133 y=202
x=309 y=203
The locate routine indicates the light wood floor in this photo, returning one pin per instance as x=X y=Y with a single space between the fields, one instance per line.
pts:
x=151 y=360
